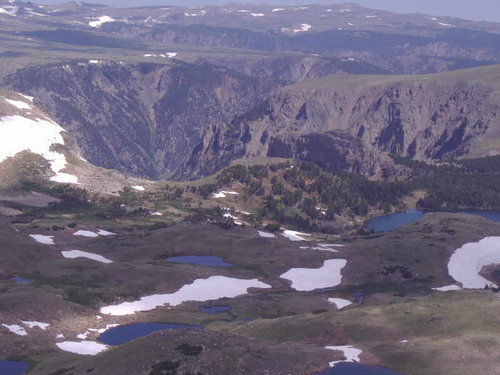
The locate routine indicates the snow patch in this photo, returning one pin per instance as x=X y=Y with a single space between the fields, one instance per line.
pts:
x=319 y=248
x=200 y=13
x=351 y=354
x=138 y=188
x=72 y=254
x=324 y=247
x=27 y=97
x=18 y=133
x=15 y=329
x=18 y=104
x=85 y=233
x=303 y=27
x=448 y=288
x=266 y=234
x=294 y=236
x=98 y=22
x=40 y=325
x=340 y=302
x=212 y=288
x=102 y=330
x=169 y=55
x=82 y=347
x=10 y=10
x=83 y=336
x=40 y=238
x=223 y=194
x=105 y=233
x=466 y=262
x=442 y=23
x=308 y=279
x=244 y=212
x=65 y=178
x=234 y=218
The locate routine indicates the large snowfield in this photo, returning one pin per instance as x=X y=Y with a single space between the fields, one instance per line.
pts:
x=309 y=279
x=466 y=263
x=18 y=133
x=212 y=288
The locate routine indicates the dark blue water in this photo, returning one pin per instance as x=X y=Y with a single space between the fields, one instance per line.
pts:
x=123 y=334
x=214 y=309
x=388 y=223
x=493 y=215
x=13 y=367
x=200 y=260
x=357 y=369
x=20 y=280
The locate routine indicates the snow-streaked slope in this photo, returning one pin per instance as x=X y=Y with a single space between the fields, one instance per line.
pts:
x=18 y=104
x=19 y=133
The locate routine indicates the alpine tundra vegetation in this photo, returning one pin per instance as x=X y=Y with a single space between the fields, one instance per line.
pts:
x=274 y=189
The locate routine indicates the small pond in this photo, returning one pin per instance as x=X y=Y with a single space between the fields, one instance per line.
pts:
x=391 y=222
x=123 y=334
x=388 y=223
x=214 y=309
x=211 y=261
x=13 y=367
x=20 y=280
x=347 y=368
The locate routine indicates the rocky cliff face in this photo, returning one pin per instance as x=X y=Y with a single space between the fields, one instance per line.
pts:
x=184 y=121
x=356 y=126
x=144 y=119
x=293 y=68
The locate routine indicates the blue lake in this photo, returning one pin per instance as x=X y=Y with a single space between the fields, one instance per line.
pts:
x=13 y=367
x=210 y=261
x=493 y=215
x=391 y=222
x=214 y=309
x=123 y=334
x=387 y=223
x=357 y=369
